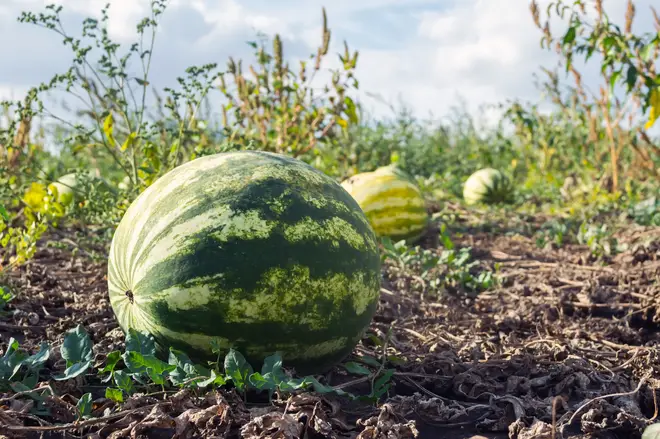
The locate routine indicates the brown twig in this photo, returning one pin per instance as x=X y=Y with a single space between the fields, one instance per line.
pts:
x=611 y=395
x=79 y=425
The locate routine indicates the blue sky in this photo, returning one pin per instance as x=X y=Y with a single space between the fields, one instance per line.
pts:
x=424 y=52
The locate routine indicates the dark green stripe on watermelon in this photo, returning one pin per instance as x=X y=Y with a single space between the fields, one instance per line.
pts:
x=246 y=262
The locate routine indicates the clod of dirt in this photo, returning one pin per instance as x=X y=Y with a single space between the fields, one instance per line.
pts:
x=538 y=430
x=387 y=425
x=273 y=425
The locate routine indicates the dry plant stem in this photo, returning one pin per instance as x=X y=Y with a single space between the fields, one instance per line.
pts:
x=80 y=425
x=554 y=415
x=27 y=392
x=612 y=395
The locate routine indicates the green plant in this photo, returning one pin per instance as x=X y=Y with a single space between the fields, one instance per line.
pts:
x=119 y=130
x=76 y=350
x=5 y=298
x=626 y=60
x=279 y=108
x=646 y=212
x=598 y=238
x=551 y=232
x=450 y=269
x=18 y=370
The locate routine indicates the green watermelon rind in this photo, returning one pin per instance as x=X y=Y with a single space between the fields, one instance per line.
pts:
x=67 y=186
x=247 y=250
x=410 y=213
x=652 y=432
x=487 y=186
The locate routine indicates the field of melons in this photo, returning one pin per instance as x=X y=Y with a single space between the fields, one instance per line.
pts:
x=297 y=269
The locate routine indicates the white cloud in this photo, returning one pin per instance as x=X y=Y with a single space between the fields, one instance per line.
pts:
x=425 y=51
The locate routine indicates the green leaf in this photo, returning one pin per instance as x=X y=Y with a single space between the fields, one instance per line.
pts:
x=271 y=363
x=138 y=363
x=184 y=369
x=212 y=379
x=140 y=342
x=37 y=360
x=84 y=405
x=185 y=372
x=351 y=110
x=237 y=368
x=261 y=382
x=322 y=388
x=111 y=361
x=371 y=361
x=569 y=36
x=156 y=378
x=77 y=346
x=648 y=50
x=3 y=213
x=37 y=394
x=631 y=77
x=73 y=371
x=358 y=369
x=5 y=297
x=108 y=129
x=273 y=366
x=129 y=142
x=115 y=395
x=123 y=381
x=382 y=384
x=294 y=384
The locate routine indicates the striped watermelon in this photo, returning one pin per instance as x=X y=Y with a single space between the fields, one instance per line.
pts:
x=250 y=250
x=67 y=187
x=392 y=202
x=488 y=186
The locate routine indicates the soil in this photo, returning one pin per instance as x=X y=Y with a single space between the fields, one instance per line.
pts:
x=565 y=347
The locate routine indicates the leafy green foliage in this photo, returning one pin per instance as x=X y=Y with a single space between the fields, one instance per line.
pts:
x=553 y=232
x=19 y=369
x=646 y=212
x=598 y=238
x=5 y=298
x=84 y=406
x=77 y=351
x=630 y=83
x=144 y=369
x=280 y=109
x=452 y=269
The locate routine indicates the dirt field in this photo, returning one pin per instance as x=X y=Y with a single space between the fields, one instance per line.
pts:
x=563 y=337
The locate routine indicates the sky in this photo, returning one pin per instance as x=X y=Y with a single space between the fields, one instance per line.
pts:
x=430 y=54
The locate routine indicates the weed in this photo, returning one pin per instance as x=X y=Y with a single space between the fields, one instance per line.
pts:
x=598 y=238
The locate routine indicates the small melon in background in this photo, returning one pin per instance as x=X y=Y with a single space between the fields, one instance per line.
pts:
x=487 y=186
x=125 y=184
x=67 y=187
x=392 y=202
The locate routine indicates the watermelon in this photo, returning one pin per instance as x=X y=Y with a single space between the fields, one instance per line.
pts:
x=64 y=188
x=248 y=250
x=125 y=184
x=487 y=186
x=67 y=186
x=392 y=202
x=652 y=432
